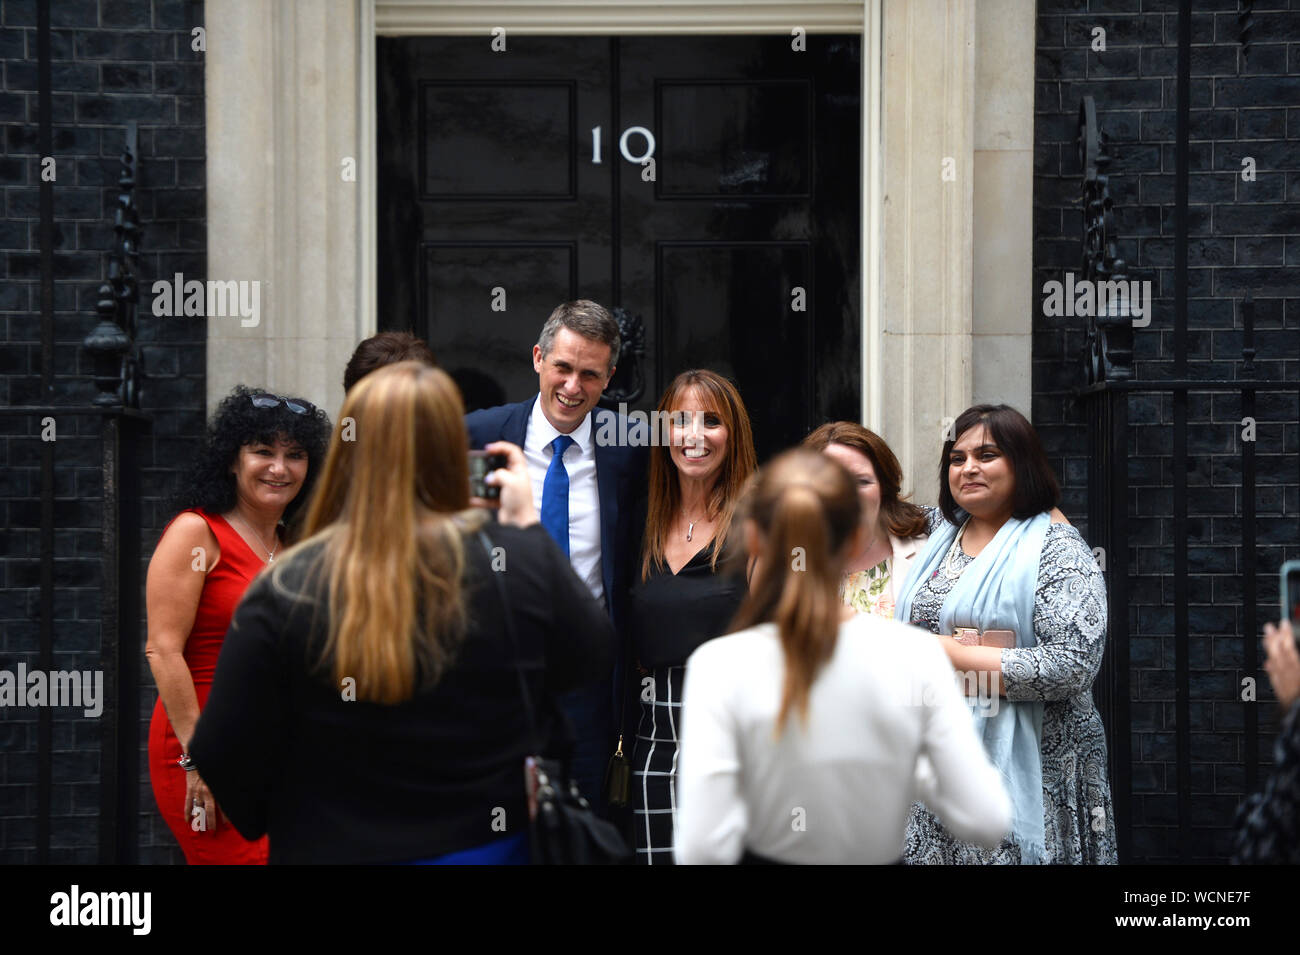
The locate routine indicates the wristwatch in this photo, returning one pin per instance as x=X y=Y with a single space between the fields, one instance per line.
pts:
x=186 y=763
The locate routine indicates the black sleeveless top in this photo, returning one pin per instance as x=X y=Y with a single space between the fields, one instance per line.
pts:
x=672 y=614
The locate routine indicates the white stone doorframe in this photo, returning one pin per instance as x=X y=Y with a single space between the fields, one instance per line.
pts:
x=945 y=270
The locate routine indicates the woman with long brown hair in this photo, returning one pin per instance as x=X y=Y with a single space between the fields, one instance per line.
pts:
x=367 y=707
x=804 y=725
x=690 y=582
x=893 y=528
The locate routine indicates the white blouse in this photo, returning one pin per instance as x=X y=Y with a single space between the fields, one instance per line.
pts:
x=886 y=726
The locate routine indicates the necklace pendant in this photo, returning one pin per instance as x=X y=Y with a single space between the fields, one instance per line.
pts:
x=690 y=529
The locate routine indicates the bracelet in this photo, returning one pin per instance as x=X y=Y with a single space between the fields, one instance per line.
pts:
x=186 y=763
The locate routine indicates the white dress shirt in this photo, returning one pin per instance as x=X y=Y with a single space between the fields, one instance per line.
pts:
x=584 y=495
x=838 y=788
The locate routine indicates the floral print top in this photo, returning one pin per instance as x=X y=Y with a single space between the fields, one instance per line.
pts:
x=868 y=591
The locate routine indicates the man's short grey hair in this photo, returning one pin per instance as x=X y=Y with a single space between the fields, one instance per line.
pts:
x=586 y=318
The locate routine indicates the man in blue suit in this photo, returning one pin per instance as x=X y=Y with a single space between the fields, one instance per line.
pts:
x=590 y=484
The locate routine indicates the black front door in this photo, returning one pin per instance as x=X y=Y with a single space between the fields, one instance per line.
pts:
x=709 y=186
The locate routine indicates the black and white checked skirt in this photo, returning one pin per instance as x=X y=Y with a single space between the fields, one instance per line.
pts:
x=654 y=766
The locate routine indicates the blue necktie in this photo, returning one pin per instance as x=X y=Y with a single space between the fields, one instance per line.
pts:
x=555 y=495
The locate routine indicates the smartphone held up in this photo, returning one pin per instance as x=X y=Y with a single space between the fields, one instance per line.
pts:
x=480 y=465
x=1290 y=587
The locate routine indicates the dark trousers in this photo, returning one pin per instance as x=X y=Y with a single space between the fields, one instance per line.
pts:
x=590 y=716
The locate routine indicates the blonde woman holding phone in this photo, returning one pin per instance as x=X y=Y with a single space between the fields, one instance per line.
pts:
x=368 y=705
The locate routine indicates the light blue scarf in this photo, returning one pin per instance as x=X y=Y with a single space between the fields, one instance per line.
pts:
x=996 y=592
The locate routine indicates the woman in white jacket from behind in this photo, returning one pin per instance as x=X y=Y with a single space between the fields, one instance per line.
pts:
x=803 y=729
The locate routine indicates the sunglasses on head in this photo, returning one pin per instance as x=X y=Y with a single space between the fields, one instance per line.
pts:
x=272 y=401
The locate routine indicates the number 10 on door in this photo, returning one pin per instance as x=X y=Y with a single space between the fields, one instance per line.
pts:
x=623 y=144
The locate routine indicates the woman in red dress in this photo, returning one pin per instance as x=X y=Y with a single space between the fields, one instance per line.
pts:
x=260 y=458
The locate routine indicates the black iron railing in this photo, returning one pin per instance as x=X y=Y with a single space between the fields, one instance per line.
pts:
x=114 y=354
x=1110 y=382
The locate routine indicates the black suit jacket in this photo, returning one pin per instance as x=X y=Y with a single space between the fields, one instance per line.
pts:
x=621 y=477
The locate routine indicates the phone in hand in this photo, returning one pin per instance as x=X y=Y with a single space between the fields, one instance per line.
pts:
x=480 y=464
x=1290 y=585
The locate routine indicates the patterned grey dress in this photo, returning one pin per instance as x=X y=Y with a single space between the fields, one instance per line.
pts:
x=1070 y=625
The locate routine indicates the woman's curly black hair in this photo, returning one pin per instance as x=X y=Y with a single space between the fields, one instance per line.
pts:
x=210 y=485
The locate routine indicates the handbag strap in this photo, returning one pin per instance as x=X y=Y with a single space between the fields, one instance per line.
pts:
x=514 y=643
x=625 y=685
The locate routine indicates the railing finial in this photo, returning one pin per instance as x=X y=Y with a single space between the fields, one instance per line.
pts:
x=1108 y=340
x=112 y=342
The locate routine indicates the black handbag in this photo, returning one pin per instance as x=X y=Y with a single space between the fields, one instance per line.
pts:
x=618 y=778
x=563 y=828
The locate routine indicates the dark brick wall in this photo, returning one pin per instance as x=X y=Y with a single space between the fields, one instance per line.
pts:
x=1243 y=236
x=116 y=60
x=113 y=61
